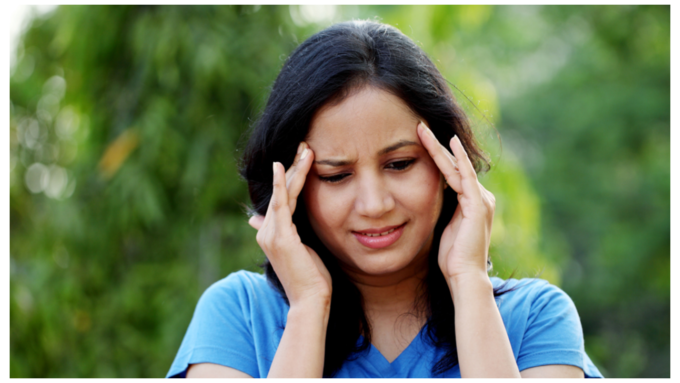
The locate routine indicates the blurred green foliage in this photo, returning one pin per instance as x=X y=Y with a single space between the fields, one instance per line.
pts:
x=125 y=203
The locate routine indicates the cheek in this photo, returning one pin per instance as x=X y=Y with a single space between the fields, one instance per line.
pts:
x=423 y=191
x=323 y=208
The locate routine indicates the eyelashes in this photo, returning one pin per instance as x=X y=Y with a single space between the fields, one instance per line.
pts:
x=333 y=179
x=400 y=165
x=396 y=165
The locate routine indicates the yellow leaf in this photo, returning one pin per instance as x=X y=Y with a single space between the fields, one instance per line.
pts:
x=117 y=151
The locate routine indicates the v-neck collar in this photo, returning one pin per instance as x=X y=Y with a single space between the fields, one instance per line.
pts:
x=396 y=368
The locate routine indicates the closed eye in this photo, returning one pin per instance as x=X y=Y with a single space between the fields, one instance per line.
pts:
x=400 y=165
x=396 y=165
x=333 y=178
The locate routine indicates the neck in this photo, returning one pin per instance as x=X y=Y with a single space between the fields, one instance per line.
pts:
x=393 y=293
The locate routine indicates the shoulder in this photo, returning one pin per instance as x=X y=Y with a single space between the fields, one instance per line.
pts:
x=543 y=325
x=238 y=282
x=533 y=284
x=243 y=294
x=533 y=293
x=532 y=306
x=237 y=321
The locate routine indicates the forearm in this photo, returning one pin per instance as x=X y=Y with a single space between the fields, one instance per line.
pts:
x=301 y=351
x=483 y=345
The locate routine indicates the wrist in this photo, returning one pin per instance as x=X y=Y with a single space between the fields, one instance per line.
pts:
x=473 y=285
x=310 y=309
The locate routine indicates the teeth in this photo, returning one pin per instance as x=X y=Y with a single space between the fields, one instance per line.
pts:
x=378 y=235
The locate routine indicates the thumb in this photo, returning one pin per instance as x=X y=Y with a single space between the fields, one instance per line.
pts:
x=256 y=221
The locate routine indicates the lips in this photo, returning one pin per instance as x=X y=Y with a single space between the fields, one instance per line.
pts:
x=379 y=237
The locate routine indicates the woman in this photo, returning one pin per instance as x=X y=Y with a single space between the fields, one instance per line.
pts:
x=390 y=234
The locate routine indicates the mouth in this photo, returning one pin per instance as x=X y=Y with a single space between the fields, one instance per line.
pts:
x=379 y=237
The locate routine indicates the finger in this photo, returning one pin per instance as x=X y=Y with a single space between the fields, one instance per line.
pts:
x=490 y=201
x=297 y=174
x=468 y=176
x=256 y=221
x=446 y=163
x=296 y=160
x=278 y=204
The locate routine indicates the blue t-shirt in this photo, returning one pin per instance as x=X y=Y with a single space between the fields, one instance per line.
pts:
x=239 y=323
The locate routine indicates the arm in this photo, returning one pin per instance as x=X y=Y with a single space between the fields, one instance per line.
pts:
x=303 y=275
x=301 y=351
x=484 y=348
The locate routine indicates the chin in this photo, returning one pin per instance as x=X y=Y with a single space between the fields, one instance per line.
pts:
x=381 y=269
x=382 y=264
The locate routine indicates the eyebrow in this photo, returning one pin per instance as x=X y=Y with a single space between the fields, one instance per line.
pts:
x=396 y=146
x=391 y=148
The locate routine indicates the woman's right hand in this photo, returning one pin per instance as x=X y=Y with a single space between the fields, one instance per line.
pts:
x=303 y=275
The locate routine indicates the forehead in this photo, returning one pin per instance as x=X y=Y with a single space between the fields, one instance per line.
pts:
x=366 y=121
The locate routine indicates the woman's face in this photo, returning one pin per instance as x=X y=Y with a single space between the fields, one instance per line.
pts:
x=373 y=194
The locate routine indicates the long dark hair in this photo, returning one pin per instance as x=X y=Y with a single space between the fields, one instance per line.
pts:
x=325 y=69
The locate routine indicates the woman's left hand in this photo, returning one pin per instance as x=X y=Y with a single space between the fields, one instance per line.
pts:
x=464 y=245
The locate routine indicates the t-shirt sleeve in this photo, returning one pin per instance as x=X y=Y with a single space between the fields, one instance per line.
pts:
x=220 y=331
x=553 y=333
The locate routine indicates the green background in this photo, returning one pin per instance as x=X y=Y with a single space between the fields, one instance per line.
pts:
x=126 y=205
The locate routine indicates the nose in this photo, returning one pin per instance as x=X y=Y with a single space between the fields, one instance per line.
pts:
x=374 y=198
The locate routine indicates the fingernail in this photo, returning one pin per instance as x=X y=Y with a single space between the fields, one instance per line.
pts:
x=427 y=129
x=299 y=150
x=274 y=168
x=304 y=154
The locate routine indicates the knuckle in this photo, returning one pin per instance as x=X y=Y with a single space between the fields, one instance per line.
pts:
x=275 y=203
x=439 y=150
x=278 y=182
x=261 y=241
x=290 y=174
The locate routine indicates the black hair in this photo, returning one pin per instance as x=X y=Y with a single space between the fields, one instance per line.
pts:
x=323 y=70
